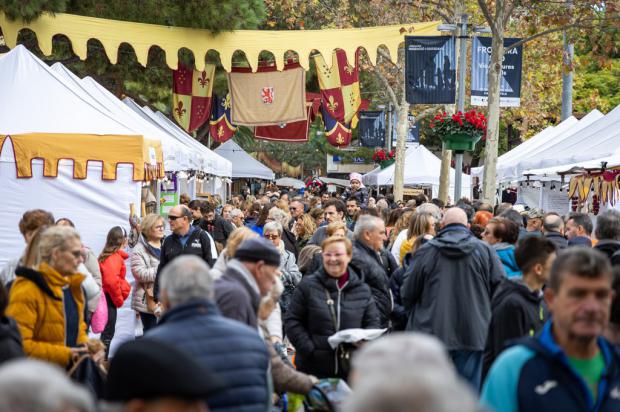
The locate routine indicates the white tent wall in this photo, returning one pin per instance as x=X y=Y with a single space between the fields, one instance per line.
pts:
x=244 y=165
x=93 y=204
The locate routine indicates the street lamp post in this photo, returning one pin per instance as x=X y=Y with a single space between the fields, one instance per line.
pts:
x=460 y=103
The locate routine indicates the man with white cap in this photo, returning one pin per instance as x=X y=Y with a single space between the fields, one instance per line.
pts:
x=356 y=190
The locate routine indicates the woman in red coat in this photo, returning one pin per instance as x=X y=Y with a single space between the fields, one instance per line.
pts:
x=115 y=287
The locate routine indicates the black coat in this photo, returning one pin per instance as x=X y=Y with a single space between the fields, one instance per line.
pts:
x=376 y=272
x=198 y=244
x=308 y=321
x=609 y=248
x=10 y=340
x=219 y=228
x=448 y=288
x=290 y=243
x=560 y=241
x=360 y=194
x=517 y=312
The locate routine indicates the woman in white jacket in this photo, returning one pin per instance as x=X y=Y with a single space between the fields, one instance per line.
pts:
x=144 y=263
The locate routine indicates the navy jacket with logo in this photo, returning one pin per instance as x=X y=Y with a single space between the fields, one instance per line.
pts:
x=535 y=375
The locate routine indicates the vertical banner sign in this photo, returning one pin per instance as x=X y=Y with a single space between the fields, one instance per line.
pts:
x=430 y=69
x=413 y=137
x=510 y=85
x=371 y=128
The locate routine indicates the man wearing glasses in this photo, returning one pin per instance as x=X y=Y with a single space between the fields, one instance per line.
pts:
x=297 y=209
x=185 y=240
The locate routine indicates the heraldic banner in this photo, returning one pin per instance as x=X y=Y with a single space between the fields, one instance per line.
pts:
x=220 y=127
x=339 y=84
x=430 y=70
x=267 y=98
x=191 y=96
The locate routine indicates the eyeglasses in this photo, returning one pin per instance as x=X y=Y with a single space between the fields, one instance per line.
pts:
x=272 y=237
x=159 y=227
x=173 y=218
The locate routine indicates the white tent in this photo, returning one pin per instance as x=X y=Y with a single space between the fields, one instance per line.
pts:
x=215 y=164
x=244 y=165
x=422 y=168
x=600 y=141
x=290 y=182
x=177 y=156
x=39 y=106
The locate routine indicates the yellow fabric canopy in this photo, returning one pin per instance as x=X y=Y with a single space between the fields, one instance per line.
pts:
x=111 y=33
x=144 y=154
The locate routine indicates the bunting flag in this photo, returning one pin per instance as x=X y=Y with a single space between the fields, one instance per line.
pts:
x=268 y=98
x=340 y=87
x=336 y=133
x=191 y=96
x=220 y=127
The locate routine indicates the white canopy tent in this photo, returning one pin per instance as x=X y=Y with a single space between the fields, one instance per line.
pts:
x=36 y=100
x=290 y=182
x=422 y=168
x=243 y=165
x=590 y=146
x=215 y=164
x=177 y=156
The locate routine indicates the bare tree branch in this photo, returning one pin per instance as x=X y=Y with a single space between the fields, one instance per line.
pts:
x=388 y=87
x=387 y=57
x=425 y=113
x=508 y=12
x=488 y=17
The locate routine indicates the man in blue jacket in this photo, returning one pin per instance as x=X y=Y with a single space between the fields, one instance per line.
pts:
x=233 y=352
x=568 y=366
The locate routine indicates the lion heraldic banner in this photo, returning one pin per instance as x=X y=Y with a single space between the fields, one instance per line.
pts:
x=267 y=98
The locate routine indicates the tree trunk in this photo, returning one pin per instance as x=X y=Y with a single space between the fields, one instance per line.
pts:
x=401 y=136
x=444 y=175
x=491 y=147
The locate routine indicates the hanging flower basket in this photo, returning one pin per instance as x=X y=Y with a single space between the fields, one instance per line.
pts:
x=383 y=158
x=461 y=131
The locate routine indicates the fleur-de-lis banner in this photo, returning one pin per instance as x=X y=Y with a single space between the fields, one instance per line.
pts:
x=220 y=127
x=191 y=96
x=336 y=133
x=340 y=87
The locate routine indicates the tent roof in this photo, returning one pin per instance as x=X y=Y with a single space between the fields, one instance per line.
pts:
x=47 y=118
x=211 y=162
x=290 y=182
x=35 y=99
x=243 y=165
x=422 y=167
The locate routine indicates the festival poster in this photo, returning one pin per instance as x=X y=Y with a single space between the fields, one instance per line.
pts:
x=430 y=69
x=371 y=128
x=510 y=85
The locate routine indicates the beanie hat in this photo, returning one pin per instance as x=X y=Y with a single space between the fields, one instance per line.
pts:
x=255 y=249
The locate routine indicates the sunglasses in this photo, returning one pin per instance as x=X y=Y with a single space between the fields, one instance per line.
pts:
x=173 y=218
x=272 y=237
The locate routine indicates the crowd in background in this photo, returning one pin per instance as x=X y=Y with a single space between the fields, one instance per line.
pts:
x=461 y=306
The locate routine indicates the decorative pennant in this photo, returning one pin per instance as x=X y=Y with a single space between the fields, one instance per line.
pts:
x=337 y=134
x=191 y=96
x=339 y=84
x=220 y=127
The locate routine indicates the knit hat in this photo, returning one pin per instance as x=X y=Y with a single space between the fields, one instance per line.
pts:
x=150 y=369
x=255 y=249
x=356 y=176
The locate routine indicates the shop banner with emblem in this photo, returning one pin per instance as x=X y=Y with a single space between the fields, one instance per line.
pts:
x=191 y=96
x=220 y=127
x=430 y=69
x=268 y=98
x=510 y=85
x=371 y=128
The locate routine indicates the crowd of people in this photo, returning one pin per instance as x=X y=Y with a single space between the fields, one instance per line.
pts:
x=466 y=306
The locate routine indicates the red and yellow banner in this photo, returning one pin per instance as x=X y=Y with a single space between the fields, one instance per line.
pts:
x=191 y=96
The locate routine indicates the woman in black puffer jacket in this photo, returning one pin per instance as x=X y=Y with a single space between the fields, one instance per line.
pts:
x=309 y=320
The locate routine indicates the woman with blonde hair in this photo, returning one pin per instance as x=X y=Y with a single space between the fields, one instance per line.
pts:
x=234 y=240
x=401 y=224
x=48 y=303
x=303 y=229
x=421 y=229
x=144 y=263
